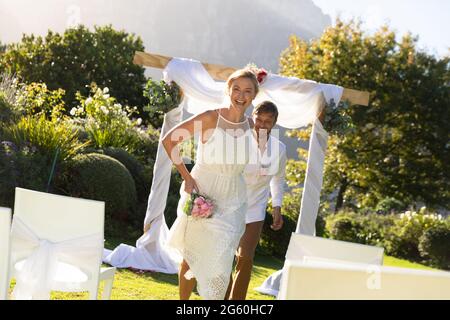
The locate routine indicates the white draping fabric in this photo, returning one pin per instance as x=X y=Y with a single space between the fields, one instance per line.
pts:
x=36 y=276
x=313 y=180
x=298 y=102
x=310 y=199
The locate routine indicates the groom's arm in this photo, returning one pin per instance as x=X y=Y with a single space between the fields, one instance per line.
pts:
x=277 y=190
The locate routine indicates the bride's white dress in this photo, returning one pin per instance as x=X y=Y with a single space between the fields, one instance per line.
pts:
x=209 y=245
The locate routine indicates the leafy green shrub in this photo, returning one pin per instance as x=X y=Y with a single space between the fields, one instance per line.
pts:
x=146 y=145
x=37 y=99
x=403 y=240
x=78 y=57
x=434 y=245
x=376 y=228
x=23 y=167
x=10 y=91
x=162 y=97
x=371 y=228
x=321 y=229
x=49 y=137
x=345 y=227
x=275 y=243
x=6 y=112
x=338 y=119
x=142 y=178
x=390 y=204
x=100 y=177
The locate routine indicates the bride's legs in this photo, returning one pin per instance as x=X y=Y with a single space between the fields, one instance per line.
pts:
x=186 y=286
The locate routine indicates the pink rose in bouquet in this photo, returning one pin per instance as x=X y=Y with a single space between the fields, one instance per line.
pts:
x=199 y=206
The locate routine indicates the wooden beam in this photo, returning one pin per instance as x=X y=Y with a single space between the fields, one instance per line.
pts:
x=219 y=72
x=356 y=97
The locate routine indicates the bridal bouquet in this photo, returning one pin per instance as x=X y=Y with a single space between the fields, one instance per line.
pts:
x=199 y=206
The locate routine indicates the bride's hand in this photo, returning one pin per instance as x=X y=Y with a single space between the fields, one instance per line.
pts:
x=190 y=185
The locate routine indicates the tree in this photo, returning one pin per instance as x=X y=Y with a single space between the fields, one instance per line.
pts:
x=77 y=58
x=399 y=146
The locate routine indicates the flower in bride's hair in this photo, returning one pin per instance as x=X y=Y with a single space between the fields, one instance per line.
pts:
x=260 y=73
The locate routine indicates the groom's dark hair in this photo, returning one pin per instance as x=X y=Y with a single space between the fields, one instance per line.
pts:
x=267 y=107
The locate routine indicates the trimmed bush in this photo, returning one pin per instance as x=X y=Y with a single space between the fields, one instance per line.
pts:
x=23 y=167
x=345 y=227
x=434 y=245
x=141 y=177
x=390 y=204
x=100 y=177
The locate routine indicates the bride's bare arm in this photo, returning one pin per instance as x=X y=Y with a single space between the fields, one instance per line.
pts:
x=182 y=132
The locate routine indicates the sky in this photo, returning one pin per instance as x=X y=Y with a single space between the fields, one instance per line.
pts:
x=429 y=19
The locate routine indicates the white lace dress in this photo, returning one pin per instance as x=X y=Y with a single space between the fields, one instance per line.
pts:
x=209 y=245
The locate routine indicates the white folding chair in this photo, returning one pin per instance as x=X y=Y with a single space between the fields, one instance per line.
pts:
x=350 y=281
x=309 y=248
x=5 y=230
x=326 y=269
x=57 y=244
x=302 y=247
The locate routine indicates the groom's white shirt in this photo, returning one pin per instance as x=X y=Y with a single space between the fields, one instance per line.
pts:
x=265 y=176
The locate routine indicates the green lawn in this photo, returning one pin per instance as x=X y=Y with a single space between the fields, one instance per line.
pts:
x=130 y=285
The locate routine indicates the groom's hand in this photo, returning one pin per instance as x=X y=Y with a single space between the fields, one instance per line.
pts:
x=277 y=219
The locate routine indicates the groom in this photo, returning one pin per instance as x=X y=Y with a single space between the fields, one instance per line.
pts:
x=263 y=177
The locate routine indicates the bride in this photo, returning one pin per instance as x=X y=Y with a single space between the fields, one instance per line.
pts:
x=208 y=245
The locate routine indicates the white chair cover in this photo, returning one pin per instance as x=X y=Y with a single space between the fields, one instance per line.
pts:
x=36 y=276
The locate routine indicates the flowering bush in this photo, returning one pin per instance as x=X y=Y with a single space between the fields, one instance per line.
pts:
x=107 y=123
x=407 y=230
x=37 y=99
x=199 y=206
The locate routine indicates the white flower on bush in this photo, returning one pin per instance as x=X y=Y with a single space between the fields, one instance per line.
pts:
x=104 y=109
x=88 y=101
x=73 y=111
x=105 y=90
x=139 y=121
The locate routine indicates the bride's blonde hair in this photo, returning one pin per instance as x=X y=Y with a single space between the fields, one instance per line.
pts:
x=243 y=73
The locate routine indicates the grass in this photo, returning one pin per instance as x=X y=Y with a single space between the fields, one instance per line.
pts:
x=396 y=262
x=132 y=285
